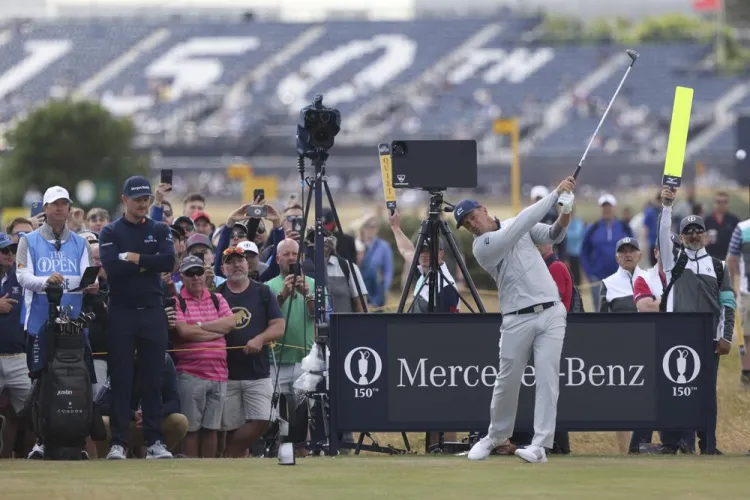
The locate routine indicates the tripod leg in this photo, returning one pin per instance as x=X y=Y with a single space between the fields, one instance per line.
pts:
x=406 y=441
x=349 y=262
x=359 y=443
x=462 y=265
x=413 y=266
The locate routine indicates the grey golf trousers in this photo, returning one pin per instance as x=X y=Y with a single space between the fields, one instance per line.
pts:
x=543 y=332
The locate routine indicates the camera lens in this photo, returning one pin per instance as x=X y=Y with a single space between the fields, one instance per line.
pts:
x=399 y=149
x=311 y=116
x=325 y=117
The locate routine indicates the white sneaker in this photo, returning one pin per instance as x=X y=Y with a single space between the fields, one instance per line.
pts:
x=532 y=454
x=116 y=452
x=481 y=449
x=157 y=450
x=37 y=452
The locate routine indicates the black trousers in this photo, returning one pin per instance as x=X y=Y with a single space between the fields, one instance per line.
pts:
x=144 y=331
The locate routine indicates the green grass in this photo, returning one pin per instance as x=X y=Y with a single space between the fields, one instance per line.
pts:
x=362 y=478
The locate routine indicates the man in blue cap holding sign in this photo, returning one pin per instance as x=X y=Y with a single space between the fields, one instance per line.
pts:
x=134 y=251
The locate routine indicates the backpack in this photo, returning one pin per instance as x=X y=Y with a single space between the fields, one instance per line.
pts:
x=214 y=299
x=677 y=272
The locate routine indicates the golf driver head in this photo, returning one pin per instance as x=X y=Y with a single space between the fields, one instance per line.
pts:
x=633 y=55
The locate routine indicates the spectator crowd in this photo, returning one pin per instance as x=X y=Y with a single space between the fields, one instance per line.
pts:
x=201 y=326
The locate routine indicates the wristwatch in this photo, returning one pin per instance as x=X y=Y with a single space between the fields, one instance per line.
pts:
x=200 y=325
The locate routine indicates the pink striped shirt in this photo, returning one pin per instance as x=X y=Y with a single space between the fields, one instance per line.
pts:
x=210 y=364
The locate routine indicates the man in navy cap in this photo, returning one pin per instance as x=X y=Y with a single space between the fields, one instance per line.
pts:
x=134 y=251
x=534 y=317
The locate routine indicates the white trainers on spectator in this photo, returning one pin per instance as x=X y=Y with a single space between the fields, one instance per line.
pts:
x=37 y=452
x=157 y=450
x=532 y=454
x=482 y=449
x=116 y=452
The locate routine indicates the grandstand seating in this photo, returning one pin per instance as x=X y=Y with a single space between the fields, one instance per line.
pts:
x=352 y=63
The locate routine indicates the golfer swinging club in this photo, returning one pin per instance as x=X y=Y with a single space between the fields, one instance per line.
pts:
x=533 y=315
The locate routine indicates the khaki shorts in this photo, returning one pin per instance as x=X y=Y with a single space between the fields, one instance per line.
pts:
x=14 y=376
x=246 y=400
x=201 y=401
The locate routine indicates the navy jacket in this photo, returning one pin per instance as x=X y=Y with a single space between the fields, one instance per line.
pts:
x=130 y=285
x=598 y=250
x=11 y=326
x=170 y=398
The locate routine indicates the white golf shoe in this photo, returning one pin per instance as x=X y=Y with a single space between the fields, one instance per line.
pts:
x=482 y=449
x=532 y=454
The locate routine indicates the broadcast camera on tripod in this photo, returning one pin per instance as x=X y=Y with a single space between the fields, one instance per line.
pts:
x=316 y=131
x=62 y=403
x=435 y=166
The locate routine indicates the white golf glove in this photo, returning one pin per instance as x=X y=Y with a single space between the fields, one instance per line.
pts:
x=566 y=201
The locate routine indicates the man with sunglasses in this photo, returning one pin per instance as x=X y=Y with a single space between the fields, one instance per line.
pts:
x=704 y=286
x=203 y=320
x=50 y=255
x=134 y=251
x=186 y=223
x=199 y=245
x=14 y=374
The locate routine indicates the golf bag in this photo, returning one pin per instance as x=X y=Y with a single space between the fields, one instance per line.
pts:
x=61 y=403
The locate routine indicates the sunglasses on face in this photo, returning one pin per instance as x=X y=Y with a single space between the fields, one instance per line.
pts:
x=239 y=234
x=194 y=273
x=261 y=230
x=6 y=251
x=19 y=234
x=693 y=232
x=291 y=218
x=167 y=214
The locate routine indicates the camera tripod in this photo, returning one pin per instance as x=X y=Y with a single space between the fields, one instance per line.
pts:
x=431 y=230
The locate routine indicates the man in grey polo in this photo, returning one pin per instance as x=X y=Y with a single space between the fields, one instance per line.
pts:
x=533 y=315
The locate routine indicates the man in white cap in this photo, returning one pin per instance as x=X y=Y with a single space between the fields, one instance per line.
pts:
x=51 y=255
x=255 y=267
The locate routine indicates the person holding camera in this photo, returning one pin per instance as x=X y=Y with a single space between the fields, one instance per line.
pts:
x=298 y=305
x=51 y=255
x=135 y=251
x=696 y=282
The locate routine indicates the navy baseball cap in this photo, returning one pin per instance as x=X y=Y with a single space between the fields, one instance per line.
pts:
x=5 y=241
x=692 y=220
x=463 y=208
x=137 y=186
x=628 y=241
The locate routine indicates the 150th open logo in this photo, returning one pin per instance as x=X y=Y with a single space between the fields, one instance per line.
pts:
x=363 y=367
x=682 y=365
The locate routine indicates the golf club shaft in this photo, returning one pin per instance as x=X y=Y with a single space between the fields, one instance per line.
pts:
x=604 y=116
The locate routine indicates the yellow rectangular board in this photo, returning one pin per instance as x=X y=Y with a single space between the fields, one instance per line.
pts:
x=678 y=135
x=386 y=171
